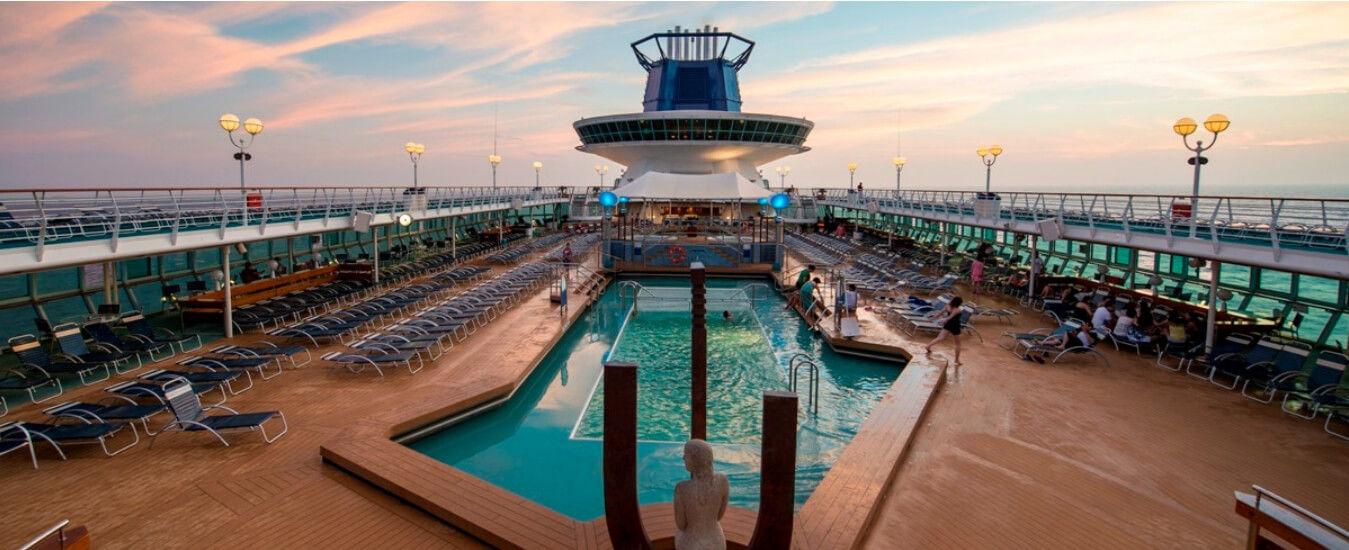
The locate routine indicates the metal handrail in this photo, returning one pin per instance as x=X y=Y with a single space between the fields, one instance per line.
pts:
x=1261 y=493
x=49 y=532
x=812 y=380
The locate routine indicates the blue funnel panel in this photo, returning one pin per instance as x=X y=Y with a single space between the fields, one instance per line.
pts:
x=709 y=85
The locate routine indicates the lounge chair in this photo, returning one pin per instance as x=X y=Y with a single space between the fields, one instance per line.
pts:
x=13 y=437
x=135 y=323
x=154 y=390
x=35 y=359
x=357 y=362
x=1236 y=365
x=84 y=432
x=30 y=380
x=71 y=341
x=1264 y=381
x=1319 y=390
x=120 y=409
x=203 y=374
x=263 y=348
x=235 y=362
x=1343 y=416
x=103 y=334
x=190 y=416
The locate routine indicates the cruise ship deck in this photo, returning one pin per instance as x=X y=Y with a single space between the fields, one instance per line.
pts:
x=1006 y=454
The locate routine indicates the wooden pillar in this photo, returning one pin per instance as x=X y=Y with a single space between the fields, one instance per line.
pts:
x=698 y=363
x=777 y=475
x=621 y=514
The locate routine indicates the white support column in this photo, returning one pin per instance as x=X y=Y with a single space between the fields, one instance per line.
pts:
x=1212 y=306
x=1034 y=253
x=229 y=298
x=454 y=244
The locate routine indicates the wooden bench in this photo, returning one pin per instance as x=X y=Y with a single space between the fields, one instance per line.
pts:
x=213 y=303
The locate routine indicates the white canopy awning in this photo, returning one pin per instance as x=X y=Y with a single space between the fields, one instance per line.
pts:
x=693 y=187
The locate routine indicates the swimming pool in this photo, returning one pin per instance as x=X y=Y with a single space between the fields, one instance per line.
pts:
x=544 y=443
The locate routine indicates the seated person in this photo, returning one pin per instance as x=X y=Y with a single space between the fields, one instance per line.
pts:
x=1100 y=318
x=1056 y=344
x=249 y=274
x=1126 y=328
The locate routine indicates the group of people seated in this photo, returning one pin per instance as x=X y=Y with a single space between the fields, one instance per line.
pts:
x=1138 y=324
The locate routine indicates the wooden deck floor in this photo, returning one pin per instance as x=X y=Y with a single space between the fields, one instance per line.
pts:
x=1010 y=454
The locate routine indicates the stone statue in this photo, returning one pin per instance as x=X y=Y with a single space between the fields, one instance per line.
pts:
x=700 y=501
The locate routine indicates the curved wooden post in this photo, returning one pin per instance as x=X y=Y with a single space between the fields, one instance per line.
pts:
x=777 y=477
x=621 y=514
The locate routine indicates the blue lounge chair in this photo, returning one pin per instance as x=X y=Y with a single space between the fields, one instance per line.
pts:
x=202 y=374
x=190 y=416
x=13 y=437
x=103 y=334
x=30 y=380
x=1316 y=391
x=263 y=348
x=35 y=359
x=357 y=362
x=119 y=409
x=135 y=323
x=71 y=341
x=1264 y=381
x=83 y=431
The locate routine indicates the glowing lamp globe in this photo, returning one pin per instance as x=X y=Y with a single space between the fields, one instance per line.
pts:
x=763 y=201
x=608 y=198
x=983 y=151
x=410 y=147
x=901 y=161
x=780 y=201
x=253 y=126
x=229 y=122
x=1185 y=126
x=1216 y=123
x=995 y=150
x=623 y=200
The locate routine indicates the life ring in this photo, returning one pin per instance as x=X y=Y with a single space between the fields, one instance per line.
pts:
x=677 y=255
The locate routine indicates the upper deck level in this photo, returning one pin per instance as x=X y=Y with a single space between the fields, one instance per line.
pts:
x=1302 y=235
x=45 y=229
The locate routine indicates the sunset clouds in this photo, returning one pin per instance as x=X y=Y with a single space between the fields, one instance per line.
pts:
x=114 y=86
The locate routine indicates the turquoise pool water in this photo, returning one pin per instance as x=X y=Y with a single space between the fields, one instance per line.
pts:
x=544 y=443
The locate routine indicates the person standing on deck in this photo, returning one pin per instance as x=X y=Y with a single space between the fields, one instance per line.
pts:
x=794 y=297
x=808 y=296
x=950 y=326
x=977 y=273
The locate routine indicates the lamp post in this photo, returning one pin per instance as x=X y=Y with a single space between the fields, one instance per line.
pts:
x=601 y=171
x=494 y=159
x=229 y=123
x=537 y=167
x=1184 y=127
x=414 y=151
x=899 y=168
x=852 y=170
x=782 y=175
x=989 y=156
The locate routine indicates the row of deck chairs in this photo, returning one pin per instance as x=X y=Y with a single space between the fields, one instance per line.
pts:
x=1306 y=383
x=175 y=390
x=430 y=330
x=813 y=253
x=94 y=360
x=515 y=254
x=579 y=247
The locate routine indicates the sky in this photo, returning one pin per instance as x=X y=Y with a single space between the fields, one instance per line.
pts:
x=1081 y=96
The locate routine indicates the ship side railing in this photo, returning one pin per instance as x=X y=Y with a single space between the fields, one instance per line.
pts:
x=42 y=216
x=1320 y=224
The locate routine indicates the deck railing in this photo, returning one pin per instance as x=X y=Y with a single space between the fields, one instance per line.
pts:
x=1279 y=222
x=38 y=217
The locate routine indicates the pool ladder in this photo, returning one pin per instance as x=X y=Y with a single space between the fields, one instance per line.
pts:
x=812 y=380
